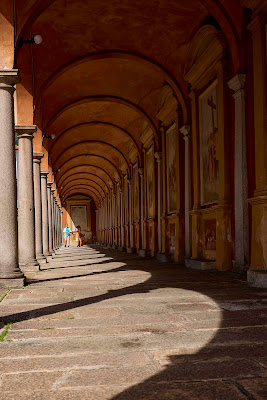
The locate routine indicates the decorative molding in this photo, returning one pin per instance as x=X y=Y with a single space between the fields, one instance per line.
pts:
x=186 y=131
x=168 y=106
x=206 y=49
x=237 y=82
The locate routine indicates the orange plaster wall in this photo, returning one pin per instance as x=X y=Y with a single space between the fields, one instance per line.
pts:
x=6 y=34
x=24 y=106
x=37 y=142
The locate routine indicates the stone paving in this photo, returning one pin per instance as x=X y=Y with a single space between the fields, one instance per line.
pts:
x=100 y=324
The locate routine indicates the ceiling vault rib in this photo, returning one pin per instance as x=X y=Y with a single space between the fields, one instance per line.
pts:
x=85 y=173
x=95 y=123
x=84 y=165
x=114 y=99
x=91 y=141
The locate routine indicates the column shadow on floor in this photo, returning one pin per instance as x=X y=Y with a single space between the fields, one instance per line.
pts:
x=220 y=367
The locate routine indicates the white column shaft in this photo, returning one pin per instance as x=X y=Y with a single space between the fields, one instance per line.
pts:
x=27 y=256
x=8 y=194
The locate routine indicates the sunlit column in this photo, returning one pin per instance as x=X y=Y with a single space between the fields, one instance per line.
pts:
x=38 y=207
x=45 y=213
x=27 y=256
x=55 y=222
x=53 y=218
x=49 y=211
x=10 y=274
x=60 y=227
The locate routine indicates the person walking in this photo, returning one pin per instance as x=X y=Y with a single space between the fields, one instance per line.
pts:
x=78 y=235
x=66 y=233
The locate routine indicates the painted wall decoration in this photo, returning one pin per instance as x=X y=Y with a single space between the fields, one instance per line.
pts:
x=209 y=165
x=171 y=145
x=136 y=192
x=172 y=238
x=150 y=180
x=210 y=234
x=118 y=199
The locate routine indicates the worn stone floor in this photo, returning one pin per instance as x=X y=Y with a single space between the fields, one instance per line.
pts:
x=100 y=324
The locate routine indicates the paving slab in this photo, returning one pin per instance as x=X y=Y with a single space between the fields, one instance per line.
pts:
x=100 y=324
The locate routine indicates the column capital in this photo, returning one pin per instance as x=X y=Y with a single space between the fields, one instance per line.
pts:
x=53 y=190
x=237 y=82
x=9 y=77
x=49 y=184
x=25 y=130
x=44 y=174
x=186 y=131
x=37 y=157
x=141 y=171
x=158 y=156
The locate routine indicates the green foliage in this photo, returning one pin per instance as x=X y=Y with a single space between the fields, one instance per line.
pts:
x=5 y=332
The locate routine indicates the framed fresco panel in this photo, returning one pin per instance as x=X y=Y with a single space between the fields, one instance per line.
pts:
x=171 y=149
x=208 y=128
x=150 y=181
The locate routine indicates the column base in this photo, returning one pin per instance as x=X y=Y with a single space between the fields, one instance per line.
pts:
x=30 y=267
x=240 y=270
x=41 y=259
x=257 y=278
x=130 y=250
x=203 y=265
x=122 y=248
x=13 y=283
x=48 y=257
x=163 y=257
x=114 y=247
x=144 y=253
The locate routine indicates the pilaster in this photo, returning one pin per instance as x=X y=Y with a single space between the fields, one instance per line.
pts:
x=237 y=84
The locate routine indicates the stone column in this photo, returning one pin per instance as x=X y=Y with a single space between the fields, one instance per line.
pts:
x=60 y=228
x=49 y=211
x=26 y=228
x=38 y=208
x=141 y=173
x=158 y=157
x=55 y=222
x=10 y=274
x=53 y=218
x=45 y=213
x=185 y=130
x=241 y=182
x=122 y=219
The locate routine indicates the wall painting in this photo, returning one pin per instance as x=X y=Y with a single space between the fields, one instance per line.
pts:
x=150 y=180
x=136 y=192
x=171 y=146
x=209 y=165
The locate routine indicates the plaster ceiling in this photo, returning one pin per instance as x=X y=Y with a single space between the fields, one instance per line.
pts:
x=98 y=76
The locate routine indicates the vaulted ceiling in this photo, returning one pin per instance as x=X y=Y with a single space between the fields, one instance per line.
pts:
x=99 y=72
